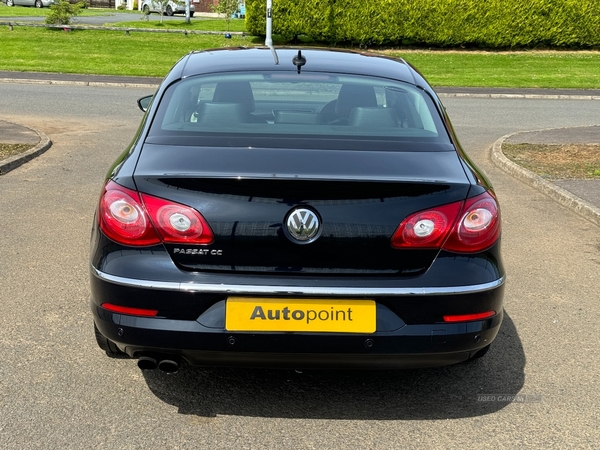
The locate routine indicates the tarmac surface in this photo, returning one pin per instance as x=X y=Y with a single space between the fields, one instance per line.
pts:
x=109 y=18
x=583 y=196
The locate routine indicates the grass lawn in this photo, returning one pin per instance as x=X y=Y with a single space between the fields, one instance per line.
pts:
x=35 y=49
x=100 y=52
x=523 y=69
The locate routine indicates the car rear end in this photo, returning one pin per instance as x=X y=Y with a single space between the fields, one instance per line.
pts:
x=296 y=219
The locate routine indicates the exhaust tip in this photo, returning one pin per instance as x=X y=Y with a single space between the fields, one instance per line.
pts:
x=147 y=363
x=168 y=366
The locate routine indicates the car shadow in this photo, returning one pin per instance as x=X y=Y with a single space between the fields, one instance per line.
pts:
x=442 y=393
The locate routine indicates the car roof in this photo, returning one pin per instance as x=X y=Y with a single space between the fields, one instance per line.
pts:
x=317 y=60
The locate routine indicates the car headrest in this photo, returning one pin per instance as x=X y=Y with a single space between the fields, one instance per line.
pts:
x=235 y=92
x=353 y=95
x=372 y=117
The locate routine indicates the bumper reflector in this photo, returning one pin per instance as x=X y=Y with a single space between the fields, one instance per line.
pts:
x=468 y=317
x=130 y=311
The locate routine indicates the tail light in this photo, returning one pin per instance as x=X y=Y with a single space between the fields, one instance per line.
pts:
x=177 y=223
x=130 y=218
x=464 y=227
x=122 y=217
x=478 y=226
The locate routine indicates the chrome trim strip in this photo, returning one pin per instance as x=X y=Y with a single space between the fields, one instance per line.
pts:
x=242 y=289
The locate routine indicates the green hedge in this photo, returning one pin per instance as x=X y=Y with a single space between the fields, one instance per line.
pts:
x=438 y=23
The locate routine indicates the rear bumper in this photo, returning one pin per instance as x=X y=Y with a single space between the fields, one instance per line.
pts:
x=191 y=325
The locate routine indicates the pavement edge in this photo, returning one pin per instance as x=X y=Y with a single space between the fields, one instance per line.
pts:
x=13 y=162
x=80 y=83
x=562 y=196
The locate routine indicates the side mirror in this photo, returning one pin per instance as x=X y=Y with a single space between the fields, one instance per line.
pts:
x=144 y=102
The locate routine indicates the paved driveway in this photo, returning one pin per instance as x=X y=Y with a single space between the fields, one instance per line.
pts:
x=57 y=390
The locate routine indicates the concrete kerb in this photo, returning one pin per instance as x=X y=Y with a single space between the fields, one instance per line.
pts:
x=78 y=83
x=562 y=196
x=6 y=165
x=125 y=84
x=520 y=96
x=121 y=29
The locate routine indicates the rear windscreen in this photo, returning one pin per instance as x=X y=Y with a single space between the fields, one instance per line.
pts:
x=331 y=108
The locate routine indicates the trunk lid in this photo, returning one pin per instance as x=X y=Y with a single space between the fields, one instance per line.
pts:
x=246 y=195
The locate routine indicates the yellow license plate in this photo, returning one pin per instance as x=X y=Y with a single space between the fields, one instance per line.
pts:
x=306 y=315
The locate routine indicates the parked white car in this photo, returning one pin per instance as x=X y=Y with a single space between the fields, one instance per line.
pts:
x=172 y=7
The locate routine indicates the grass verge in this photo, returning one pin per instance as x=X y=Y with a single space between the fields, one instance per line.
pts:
x=557 y=162
x=518 y=69
x=101 y=52
x=8 y=150
x=144 y=54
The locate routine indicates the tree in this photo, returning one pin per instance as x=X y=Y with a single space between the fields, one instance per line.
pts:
x=161 y=6
x=226 y=7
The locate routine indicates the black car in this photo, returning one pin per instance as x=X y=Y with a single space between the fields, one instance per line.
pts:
x=318 y=212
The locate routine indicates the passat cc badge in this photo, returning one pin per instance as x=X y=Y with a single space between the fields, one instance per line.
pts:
x=303 y=226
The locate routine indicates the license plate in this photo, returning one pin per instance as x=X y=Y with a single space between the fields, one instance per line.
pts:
x=306 y=315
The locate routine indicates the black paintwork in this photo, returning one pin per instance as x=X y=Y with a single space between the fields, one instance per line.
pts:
x=245 y=196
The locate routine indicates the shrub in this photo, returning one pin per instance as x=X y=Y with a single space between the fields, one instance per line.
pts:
x=62 y=12
x=439 y=23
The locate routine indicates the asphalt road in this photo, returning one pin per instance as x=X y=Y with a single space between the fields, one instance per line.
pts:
x=108 y=18
x=58 y=390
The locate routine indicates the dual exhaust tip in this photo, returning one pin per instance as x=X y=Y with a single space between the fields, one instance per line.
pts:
x=167 y=364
